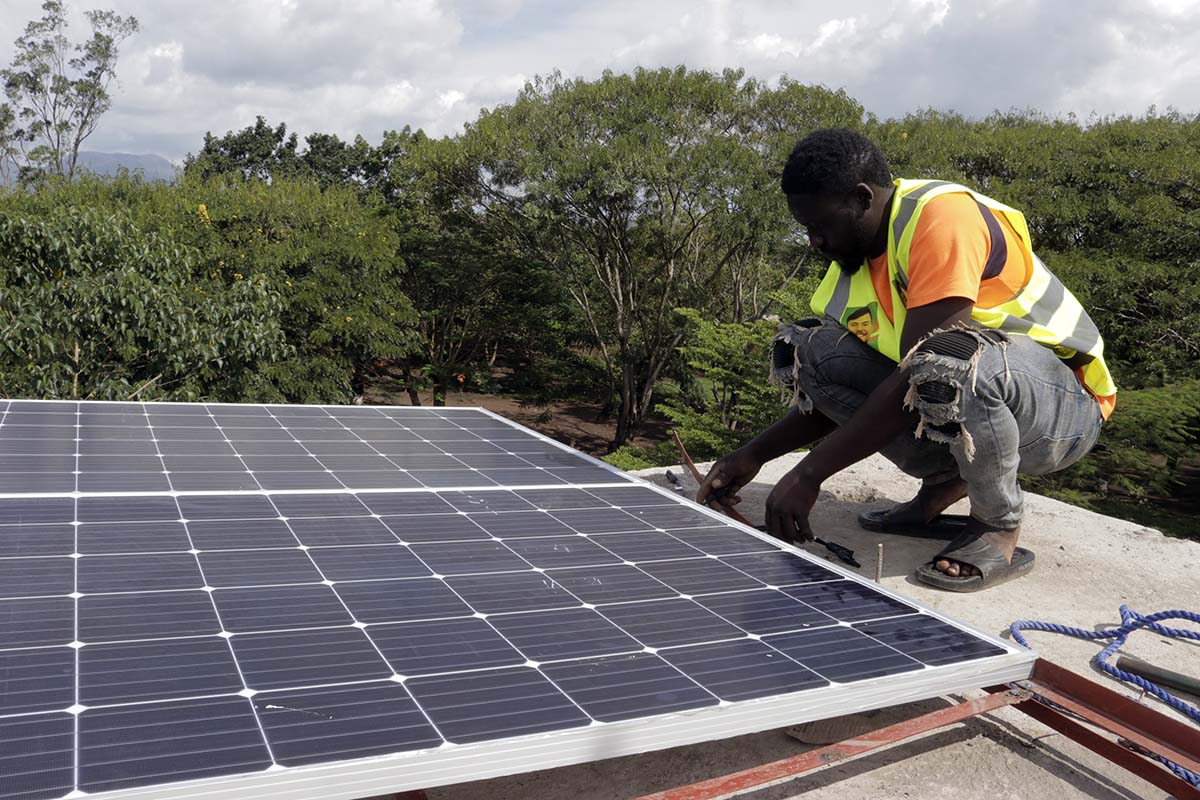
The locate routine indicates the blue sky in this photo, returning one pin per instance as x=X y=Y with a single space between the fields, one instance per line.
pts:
x=365 y=66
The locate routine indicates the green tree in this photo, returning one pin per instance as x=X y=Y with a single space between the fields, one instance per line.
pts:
x=255 y=152
x=333 y=259
x=731 y=402
x=60 y=89
x=477 y=297
x=11 y=138
x=95 y=308
x=327 y=257
x=262 y=152
x=645 y=193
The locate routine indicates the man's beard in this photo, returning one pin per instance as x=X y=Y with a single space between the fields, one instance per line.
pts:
x=850 y=268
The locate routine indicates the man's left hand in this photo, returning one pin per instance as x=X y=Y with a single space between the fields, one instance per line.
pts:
x=789 y=505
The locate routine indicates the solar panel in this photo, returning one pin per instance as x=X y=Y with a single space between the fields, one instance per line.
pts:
x=202 y=601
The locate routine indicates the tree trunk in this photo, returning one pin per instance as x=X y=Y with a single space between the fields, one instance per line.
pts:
x=358 y=382
x=626 y=418
x=439 y=390
x=414 y=397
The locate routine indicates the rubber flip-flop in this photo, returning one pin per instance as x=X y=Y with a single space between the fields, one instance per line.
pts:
x=943 y=526
x=972 y=549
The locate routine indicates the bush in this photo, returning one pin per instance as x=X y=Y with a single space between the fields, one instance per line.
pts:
x=630 y=457
x=96 y=308
x=729 y=401
x=327 y=259
x=1144 y=448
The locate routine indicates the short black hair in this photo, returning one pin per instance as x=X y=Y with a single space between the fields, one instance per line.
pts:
x=858 y=312
x=834 y=161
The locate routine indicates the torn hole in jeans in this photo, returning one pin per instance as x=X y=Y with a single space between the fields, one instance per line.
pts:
x=940 y=370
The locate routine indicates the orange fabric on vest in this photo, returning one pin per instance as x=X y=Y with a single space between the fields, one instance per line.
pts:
x=950 y=249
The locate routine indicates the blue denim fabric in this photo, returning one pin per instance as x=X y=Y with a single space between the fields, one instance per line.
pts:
x=996 y=406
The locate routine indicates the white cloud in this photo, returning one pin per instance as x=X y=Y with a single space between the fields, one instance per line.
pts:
x=936 y=9
x=364 y=66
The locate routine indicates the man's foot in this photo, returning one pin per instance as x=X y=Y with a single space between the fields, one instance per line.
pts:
x=930 y=501
x=981 y=557
x=1004 y=542
x=922 y=516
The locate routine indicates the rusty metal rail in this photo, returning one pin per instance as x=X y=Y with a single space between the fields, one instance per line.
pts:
x=788 y=768
x=1052 y=696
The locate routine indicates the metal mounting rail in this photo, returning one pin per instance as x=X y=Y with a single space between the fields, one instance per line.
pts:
x=1052 y=696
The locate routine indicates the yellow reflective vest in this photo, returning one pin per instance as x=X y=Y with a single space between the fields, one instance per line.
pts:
x=1043 y=309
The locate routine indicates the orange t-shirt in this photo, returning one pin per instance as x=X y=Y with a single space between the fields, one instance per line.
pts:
x=956 y=253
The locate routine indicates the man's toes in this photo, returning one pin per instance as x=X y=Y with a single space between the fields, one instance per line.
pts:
x=951 y=568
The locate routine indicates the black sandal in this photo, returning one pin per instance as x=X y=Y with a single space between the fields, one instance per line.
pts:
x=943 y=526
x=971 y=549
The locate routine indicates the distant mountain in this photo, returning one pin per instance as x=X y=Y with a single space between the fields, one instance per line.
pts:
x=153 y=168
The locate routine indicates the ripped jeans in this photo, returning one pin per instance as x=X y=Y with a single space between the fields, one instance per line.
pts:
x=990 y=405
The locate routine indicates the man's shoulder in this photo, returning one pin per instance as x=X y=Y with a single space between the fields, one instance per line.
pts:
x=951 y=207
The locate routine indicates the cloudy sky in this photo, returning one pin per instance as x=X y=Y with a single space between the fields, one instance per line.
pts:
x=365 y=66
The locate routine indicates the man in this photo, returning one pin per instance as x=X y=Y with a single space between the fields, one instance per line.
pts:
x=983 y=364
x=863 y=325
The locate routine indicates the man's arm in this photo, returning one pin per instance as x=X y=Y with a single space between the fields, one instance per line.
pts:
x=735 y=470
x=876 y=423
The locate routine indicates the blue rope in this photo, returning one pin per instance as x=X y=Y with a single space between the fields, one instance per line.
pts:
x=1130 y=622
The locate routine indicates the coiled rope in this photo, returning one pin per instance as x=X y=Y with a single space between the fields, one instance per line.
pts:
x=1130 y=621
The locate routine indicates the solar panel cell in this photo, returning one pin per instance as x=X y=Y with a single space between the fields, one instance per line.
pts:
x=623 y=687
x=232 y=587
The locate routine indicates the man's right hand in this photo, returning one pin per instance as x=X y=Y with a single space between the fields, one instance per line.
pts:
x=727 y=477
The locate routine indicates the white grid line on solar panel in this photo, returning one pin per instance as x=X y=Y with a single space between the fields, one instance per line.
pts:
x=241 y=676
x=552 y=580
x=481 y=521
x=373 y=643
x=428 y=768
x=238 y=455
x=723 y=521
x=509 y=615
x=465 y=600
x=75 y=620
x=362 y=549
x=357 y=491
x=560 y=467
x=691 y=645
x=554 y=584
x=557 y=543
x=568 y=697
x=689 y=679
x=672 y=499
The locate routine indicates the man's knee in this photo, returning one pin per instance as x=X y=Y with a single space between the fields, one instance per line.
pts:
x=796 y=348
x=942 y=369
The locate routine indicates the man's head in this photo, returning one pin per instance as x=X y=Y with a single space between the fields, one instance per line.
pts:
x=862 y=324
x=838 y=184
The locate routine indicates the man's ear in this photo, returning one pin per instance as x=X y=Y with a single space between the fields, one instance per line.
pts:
x=861 y=196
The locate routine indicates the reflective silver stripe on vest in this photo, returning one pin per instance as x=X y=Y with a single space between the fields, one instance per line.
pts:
x=1016 y=324
x=908 y=207
x=1082 y=339
x=1048 y=304
x=1085 y=337
x=841 y=295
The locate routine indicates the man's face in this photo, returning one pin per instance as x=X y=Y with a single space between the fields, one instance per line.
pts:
x=837 y=226
x=862 y=327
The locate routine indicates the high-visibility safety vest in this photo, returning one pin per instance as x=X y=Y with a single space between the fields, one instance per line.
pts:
x=1043 y=309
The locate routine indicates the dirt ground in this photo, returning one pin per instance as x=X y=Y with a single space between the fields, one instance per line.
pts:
x=578 y=425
